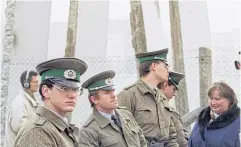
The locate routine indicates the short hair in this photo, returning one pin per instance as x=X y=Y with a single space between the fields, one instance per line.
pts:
x=144 y=67
x=46 y=82
x=225 y=91
x=30 y=75
x=160 y=85
x=92 y=93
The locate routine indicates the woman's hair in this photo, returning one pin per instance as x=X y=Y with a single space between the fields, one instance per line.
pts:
x=225 y=91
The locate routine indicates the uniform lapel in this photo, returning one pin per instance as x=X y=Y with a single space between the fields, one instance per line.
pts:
x=102 y=121
x=53 y=118
x=57 y=122
x=116 y=127
x=145 y=88
x=123 y=119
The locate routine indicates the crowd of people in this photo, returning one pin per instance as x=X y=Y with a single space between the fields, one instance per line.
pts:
x=139 y=116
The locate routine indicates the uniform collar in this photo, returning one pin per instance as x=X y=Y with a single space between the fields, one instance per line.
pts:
x=100 y=119
x=30 y=98
x=52 y=117
x=63 y=118
x=163 y=96
x=144 y=87
x=107 y=115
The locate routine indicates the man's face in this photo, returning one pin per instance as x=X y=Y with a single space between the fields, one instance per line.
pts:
x=161 y=71
x=105 y=100
x=169 y=90
x=60 y=99
x=34 y=84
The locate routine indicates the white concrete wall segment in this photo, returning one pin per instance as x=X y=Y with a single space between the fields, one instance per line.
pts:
x=195 y=33
x=155 y=36
x=58 y=29
x=92 y=30
x=32 y=28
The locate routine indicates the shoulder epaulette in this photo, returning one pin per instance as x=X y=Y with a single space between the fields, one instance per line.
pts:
x=122 y=107
x=128 y=87
x=40 y=121
x=88 y=121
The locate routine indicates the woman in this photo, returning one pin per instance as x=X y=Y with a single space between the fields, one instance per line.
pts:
x=218 y=125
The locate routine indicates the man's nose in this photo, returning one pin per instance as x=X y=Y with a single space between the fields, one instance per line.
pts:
x=72 y=94
x=113 y=94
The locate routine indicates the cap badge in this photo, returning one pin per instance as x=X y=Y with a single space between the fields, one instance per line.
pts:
x=109 y=81
x=70 y=74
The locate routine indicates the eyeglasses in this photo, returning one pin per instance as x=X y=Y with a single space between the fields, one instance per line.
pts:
x=164 y=65
x=78 y=90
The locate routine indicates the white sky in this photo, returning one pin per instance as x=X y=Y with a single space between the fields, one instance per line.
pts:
x=224 y=15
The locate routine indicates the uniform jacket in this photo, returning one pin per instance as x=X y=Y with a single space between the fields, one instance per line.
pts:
x=221 y=132
x=151 y=111
x=182 y=134
x=46 y=129
x=22 y=108
x=98 y=131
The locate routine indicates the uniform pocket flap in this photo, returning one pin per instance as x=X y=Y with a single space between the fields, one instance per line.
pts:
x=110 y=141
x=144 y=108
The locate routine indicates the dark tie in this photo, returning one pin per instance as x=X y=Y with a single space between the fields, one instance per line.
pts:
x=70 y=132
x=116 y=121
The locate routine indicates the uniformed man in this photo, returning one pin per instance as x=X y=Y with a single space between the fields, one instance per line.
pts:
x=60 y=87
x=169 y=89
x=108 y=125
x=147 y=104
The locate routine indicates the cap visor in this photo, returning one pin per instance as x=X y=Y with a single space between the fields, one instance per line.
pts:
x=109 y=88
x=66 y=83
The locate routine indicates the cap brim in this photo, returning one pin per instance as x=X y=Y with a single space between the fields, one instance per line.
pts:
x=66 y=83
x=173 y=83
x=108 y=88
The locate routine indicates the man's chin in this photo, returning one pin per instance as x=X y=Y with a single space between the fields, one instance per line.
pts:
x=114 y=106
x=69 y=109
x=163 y=80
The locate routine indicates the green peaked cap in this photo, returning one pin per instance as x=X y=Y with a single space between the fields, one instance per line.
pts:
x=101 y=81
x=155 y=55
x=62 y=68
x=175 y=78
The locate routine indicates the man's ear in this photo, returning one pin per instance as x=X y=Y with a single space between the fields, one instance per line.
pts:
x=165 y=85
x=46 y=92
x=153 y=66
x=93 y=99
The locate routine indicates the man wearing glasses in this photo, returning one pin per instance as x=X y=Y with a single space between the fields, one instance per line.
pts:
x=60 y=87
x=22 y=107
x=147 y=104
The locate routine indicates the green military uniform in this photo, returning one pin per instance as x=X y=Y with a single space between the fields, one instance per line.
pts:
x=151 y=111
x=99 y=131
x=47 y=128
x=182 y=134
x=150 y=107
